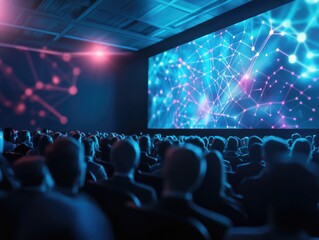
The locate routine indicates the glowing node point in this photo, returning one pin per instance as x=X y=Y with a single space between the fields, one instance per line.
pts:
x=76 y=71
x=55 y=80
x=312 y=69
x=20 y=108
x=8 y=70
x=292 y=58
x=28 y=92
x=32 y=122
x=73 y=90
x=287 y=23
x=310 y=55
x=42 y=113
x=63 y=120
x=39 y=85
x=66 y=57
x=301 y=37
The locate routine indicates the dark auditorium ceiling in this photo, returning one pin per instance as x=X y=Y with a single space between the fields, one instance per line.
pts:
x=70 y=25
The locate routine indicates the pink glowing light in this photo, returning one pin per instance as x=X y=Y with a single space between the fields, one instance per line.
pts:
x=7 y=103
x=39 y=85
x=8 y=70
x=63 y=120
x=66 y=57
x=28 y=92
x=56 y=80
x=76 y=71
x=32 y=122
x=20 y=108
x=73 y=90
x=99 y=54
x=42 y=113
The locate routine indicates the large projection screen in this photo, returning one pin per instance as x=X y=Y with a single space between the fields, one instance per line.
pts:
x=261 y=73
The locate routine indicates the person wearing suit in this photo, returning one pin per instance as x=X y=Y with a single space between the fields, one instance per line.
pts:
x=36 y=212
x=251 y=168
x=125 y=156
x=292 y=199
x=212 y=192
x=25 y=142
x=65 y=159
x=253 y=188
x=183 y=172
x=145 y=145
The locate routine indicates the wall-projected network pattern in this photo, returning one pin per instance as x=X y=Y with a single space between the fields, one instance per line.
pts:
x=259 y=73
x=36 y=85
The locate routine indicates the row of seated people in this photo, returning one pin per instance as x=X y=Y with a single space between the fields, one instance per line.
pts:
x=191 y=191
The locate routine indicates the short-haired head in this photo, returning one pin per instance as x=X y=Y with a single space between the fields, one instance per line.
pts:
x=31 y=171
x=65 y=159
x=254 y=139
x=274 y=149
x=215 y=177
x=301 y=149
x=218 y=144
x=125 y=156
x=89 y=147
x=255 y=152
x=197 y=141
x=162 y=147
x=184 y=168
x=44 y=142
x=24 y=136
x=232 y=143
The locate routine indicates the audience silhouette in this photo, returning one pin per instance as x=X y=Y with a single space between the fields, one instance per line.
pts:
x=125 y=156
x=116 y=186
x=183 y=172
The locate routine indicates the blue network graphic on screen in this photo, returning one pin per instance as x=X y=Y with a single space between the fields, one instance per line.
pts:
x=259 y=73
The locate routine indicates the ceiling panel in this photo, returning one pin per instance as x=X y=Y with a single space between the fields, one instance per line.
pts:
x=123 y=24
